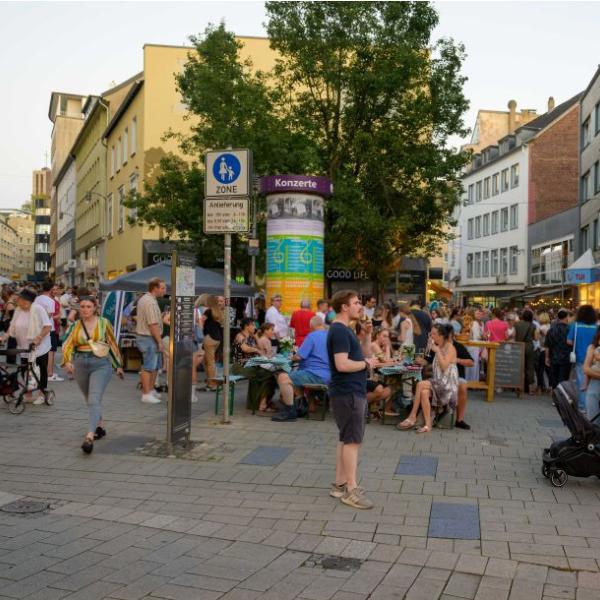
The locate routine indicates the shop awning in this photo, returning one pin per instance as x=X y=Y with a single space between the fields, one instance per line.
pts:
x=583 y=270
x=439 y=289
x=541 y=292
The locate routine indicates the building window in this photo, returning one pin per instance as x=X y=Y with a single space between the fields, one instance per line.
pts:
x=504 y=261
x=495 y=227
x=514 y=216
x=477 y=264
x=125 y=139
x=121 y=208
x=477 y=227
x=514 y=176
x=595 y=235
x=486 y=224
x=478 y=191
x=133 y=135
x=585 y=238
x=485 y=264
x=495 y=184
x=486 y=188
x=471 y=196
x=109 y=214
x=549 y=262
x=596 y=177
x=514 y=260
x=585 y=187
x=585 y=133
x=504 y=180
x=494 y=263
x=119 y=154
x=113 y=162
x=504 y=219
x=470 y=229
x=469 y=266
x=133 y=190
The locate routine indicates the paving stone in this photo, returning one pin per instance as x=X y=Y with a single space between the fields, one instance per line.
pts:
x=499 y=567
x=523 y=589
x=449 y=520
x=462 y=585
x=417 y=465
x=266 y=456
x=178 y=592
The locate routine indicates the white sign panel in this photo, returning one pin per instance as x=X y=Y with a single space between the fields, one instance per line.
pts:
x=228 y=173
x=226 y=215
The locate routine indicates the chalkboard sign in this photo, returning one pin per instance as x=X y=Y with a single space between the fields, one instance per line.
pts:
x=510 y=363
x=183 y=289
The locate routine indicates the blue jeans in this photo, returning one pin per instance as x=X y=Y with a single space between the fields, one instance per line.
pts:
x=92 y=375
x=579 y=376
x=592 y=398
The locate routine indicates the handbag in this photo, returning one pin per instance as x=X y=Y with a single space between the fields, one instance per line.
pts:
x=572 y=355
x=99 y=349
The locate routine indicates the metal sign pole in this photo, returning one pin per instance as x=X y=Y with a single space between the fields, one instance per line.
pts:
x=226 y=328
x=170 y=371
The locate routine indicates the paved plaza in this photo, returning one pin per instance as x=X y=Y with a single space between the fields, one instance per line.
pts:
x=457 y=514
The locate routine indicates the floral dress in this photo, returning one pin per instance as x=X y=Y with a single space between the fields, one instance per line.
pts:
x=444 y=387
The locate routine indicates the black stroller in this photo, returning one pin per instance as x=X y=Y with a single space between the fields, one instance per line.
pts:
x=580 y=454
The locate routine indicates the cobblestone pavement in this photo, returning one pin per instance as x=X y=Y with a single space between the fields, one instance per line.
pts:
x=126 y=526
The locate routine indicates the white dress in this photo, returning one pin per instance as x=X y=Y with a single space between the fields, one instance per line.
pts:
x=472 y=373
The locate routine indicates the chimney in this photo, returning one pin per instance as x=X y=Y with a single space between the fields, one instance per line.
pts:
x=551 y=104
x=512 y=116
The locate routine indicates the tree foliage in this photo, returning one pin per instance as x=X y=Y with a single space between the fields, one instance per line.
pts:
x=360 y=93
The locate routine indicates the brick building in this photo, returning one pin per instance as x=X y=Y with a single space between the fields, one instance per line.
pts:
x=517 y=222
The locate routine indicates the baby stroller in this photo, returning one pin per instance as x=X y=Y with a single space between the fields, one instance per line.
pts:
x=580 y=454
x=16 y=384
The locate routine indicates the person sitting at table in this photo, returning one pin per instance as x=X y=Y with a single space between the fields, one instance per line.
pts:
x=441 y=390
x=314 y=368
x=262 y=381
x=265 y=335
x=377 y=392
x=381 y=346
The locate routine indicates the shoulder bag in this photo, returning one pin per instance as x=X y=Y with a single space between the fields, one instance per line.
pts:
x=99 y=349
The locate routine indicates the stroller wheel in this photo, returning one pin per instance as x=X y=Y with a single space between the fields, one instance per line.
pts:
x=546 y=471
x=16 y=405
x=558 y=478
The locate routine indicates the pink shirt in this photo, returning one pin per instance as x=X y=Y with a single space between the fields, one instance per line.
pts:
x=496 y=330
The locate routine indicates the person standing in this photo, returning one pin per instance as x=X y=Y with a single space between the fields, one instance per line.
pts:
x=369 y=308
x=149 y=327
x=213 y=338
x=275 y=317
x=90 y=353
x=421 y=327
x=348 y=397
x=527 y=333
x=49 y=303
x=557 y=350
x=495 y=330
x=300 y=322
x=580 y=337
x=322 y=309
x=31 y=325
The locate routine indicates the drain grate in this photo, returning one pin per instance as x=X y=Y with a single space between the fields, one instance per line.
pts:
x=336 y=563
x=25 y=507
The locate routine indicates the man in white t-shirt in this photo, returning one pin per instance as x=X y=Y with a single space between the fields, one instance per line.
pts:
x=47 y=301
x=322 y=309
x=369 y=307
x=274 y=316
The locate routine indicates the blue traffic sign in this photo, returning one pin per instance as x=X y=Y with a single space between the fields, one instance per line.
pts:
x=226 y=168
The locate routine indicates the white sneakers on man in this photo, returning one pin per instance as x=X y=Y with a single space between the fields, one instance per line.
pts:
x=55 y=377
x=150 y=399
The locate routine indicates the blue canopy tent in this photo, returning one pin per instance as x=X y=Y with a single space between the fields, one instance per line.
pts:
x=207 y=281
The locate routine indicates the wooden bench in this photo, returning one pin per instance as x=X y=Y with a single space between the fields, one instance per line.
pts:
x=319 y=392
x=233 y=380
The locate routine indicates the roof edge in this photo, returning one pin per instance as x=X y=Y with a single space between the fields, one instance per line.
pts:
x=137 y=86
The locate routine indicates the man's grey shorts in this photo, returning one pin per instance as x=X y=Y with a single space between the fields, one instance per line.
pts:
x=349 y=413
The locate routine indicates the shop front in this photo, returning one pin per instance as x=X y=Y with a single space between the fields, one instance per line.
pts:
x=584 y=274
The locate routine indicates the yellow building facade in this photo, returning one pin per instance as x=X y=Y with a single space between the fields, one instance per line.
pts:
x=135 y=145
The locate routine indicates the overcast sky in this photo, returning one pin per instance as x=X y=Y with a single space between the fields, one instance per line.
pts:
x=522 y=50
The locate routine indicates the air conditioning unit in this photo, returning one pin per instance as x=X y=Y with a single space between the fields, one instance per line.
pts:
x=501 y=278
x=72 y=263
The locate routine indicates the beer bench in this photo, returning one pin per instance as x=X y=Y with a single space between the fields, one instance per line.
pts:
x=319 y=392
x=233 y=380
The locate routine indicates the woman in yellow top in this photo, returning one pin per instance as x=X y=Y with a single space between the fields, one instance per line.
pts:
x=92 y=371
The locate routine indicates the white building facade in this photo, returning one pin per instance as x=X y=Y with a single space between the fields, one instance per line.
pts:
x=492 y=225
x=66 y=189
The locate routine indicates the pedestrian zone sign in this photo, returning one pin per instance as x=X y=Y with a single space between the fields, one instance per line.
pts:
x=228 y=173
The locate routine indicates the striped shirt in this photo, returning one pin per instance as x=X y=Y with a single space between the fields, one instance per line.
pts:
x=77 y=341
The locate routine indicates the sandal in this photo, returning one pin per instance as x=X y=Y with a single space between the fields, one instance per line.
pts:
x=424 y=429
x=406 y=424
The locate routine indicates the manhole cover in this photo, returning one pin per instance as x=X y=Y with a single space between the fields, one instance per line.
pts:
x=337 y=563
x=25 y=507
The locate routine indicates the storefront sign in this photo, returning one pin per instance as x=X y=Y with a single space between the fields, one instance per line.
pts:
x=578 y=276
x=346 y=275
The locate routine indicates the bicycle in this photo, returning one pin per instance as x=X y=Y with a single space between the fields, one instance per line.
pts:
x=15 y=385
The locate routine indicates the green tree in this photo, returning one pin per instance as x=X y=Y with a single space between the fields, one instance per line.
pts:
x=361 y=94
x=382 y=101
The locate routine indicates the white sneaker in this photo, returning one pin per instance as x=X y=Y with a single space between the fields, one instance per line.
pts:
x=150 y=399
x=155 y=394
x=55 y=377
x=39 y=400
x=194 y=397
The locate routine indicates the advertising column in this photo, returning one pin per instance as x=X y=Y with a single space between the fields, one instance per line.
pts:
x=295 y=237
